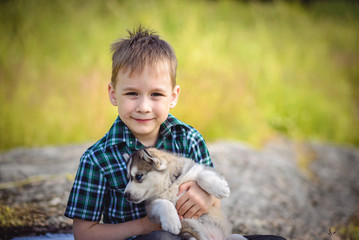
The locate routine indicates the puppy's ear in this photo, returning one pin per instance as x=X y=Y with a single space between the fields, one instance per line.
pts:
x=157 y=163
x=128 y=160
x=126 y=157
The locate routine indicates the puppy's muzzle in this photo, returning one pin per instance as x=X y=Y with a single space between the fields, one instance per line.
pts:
x=127 y=196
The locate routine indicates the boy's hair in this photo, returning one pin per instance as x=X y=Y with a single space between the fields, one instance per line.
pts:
x=142 y=47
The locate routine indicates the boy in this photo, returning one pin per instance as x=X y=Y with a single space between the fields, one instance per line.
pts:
x=143 y=88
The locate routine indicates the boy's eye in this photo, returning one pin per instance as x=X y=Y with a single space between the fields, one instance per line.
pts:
x=131 y=94
x=156 y=94
x=138 y=177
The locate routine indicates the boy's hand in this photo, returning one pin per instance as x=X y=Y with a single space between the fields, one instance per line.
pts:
x=194 y=202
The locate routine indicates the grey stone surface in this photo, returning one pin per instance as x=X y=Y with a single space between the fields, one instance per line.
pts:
x=272 y=194
x=295 y=190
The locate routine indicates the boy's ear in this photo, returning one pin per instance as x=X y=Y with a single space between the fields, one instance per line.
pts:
x=112 y=94
x=175 y=94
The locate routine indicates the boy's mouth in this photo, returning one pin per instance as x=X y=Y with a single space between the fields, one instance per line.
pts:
x=143 y=120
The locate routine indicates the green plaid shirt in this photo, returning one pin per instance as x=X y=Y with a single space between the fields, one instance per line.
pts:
x=102 y=176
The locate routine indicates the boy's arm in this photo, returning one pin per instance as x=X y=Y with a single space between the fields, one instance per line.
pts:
x=195 y=202
x=93 y=230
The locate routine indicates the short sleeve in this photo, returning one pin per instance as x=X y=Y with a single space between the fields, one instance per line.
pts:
x=87 y=194
x=198 y=149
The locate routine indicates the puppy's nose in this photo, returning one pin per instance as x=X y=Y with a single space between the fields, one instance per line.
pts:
x=127 y=196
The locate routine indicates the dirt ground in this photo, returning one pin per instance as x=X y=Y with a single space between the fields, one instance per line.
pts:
x=298 y=191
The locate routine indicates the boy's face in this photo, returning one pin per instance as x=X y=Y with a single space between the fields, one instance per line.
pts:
x=144 y=100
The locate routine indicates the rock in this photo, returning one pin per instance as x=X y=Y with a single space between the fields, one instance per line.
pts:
x=55 y=201
x=298 y=191
x=272 y=195
x=42 y=162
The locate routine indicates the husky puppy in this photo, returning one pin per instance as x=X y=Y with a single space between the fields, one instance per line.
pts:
x=155 y=176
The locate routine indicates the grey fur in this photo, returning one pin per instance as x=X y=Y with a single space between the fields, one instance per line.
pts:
x=155 y=176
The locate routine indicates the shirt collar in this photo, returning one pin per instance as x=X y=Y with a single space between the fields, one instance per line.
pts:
x=120 y=133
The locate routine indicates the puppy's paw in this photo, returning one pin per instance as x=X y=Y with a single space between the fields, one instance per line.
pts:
x=222 y=190
x=215 y=185
x=172 y=224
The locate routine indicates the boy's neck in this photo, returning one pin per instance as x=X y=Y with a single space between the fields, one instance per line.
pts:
x=148 y=141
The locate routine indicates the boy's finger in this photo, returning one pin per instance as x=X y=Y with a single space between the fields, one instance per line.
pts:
x=192 y=212
x=182 y=210
x=184 y=187
x=184 y=198
x=199 y=213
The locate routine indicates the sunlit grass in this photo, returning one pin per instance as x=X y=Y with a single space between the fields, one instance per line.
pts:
x=248 y=71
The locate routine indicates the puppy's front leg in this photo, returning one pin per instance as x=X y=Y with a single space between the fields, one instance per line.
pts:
x=164 y=212
x=214 y=184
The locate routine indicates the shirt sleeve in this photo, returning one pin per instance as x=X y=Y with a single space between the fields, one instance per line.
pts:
x=87 y=193
x=198 y=149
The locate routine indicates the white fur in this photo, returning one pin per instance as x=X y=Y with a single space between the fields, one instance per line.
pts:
x=213 y=184
x=160 y=188
x=167 y=213
x=142 y=191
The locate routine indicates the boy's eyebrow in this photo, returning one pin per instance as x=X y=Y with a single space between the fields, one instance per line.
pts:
x=159 y=89
x=129 y=89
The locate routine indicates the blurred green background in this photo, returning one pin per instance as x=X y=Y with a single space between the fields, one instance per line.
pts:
x=249 y=71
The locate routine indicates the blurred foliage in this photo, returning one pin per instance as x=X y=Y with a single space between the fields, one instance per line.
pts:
x=249 y=71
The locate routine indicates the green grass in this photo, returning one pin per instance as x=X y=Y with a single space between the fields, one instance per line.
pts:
x=248 y=71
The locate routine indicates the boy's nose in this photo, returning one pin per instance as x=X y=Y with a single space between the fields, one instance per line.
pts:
x=144 y=105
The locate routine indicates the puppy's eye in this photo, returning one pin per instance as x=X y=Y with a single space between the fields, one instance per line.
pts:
x=138 y=177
